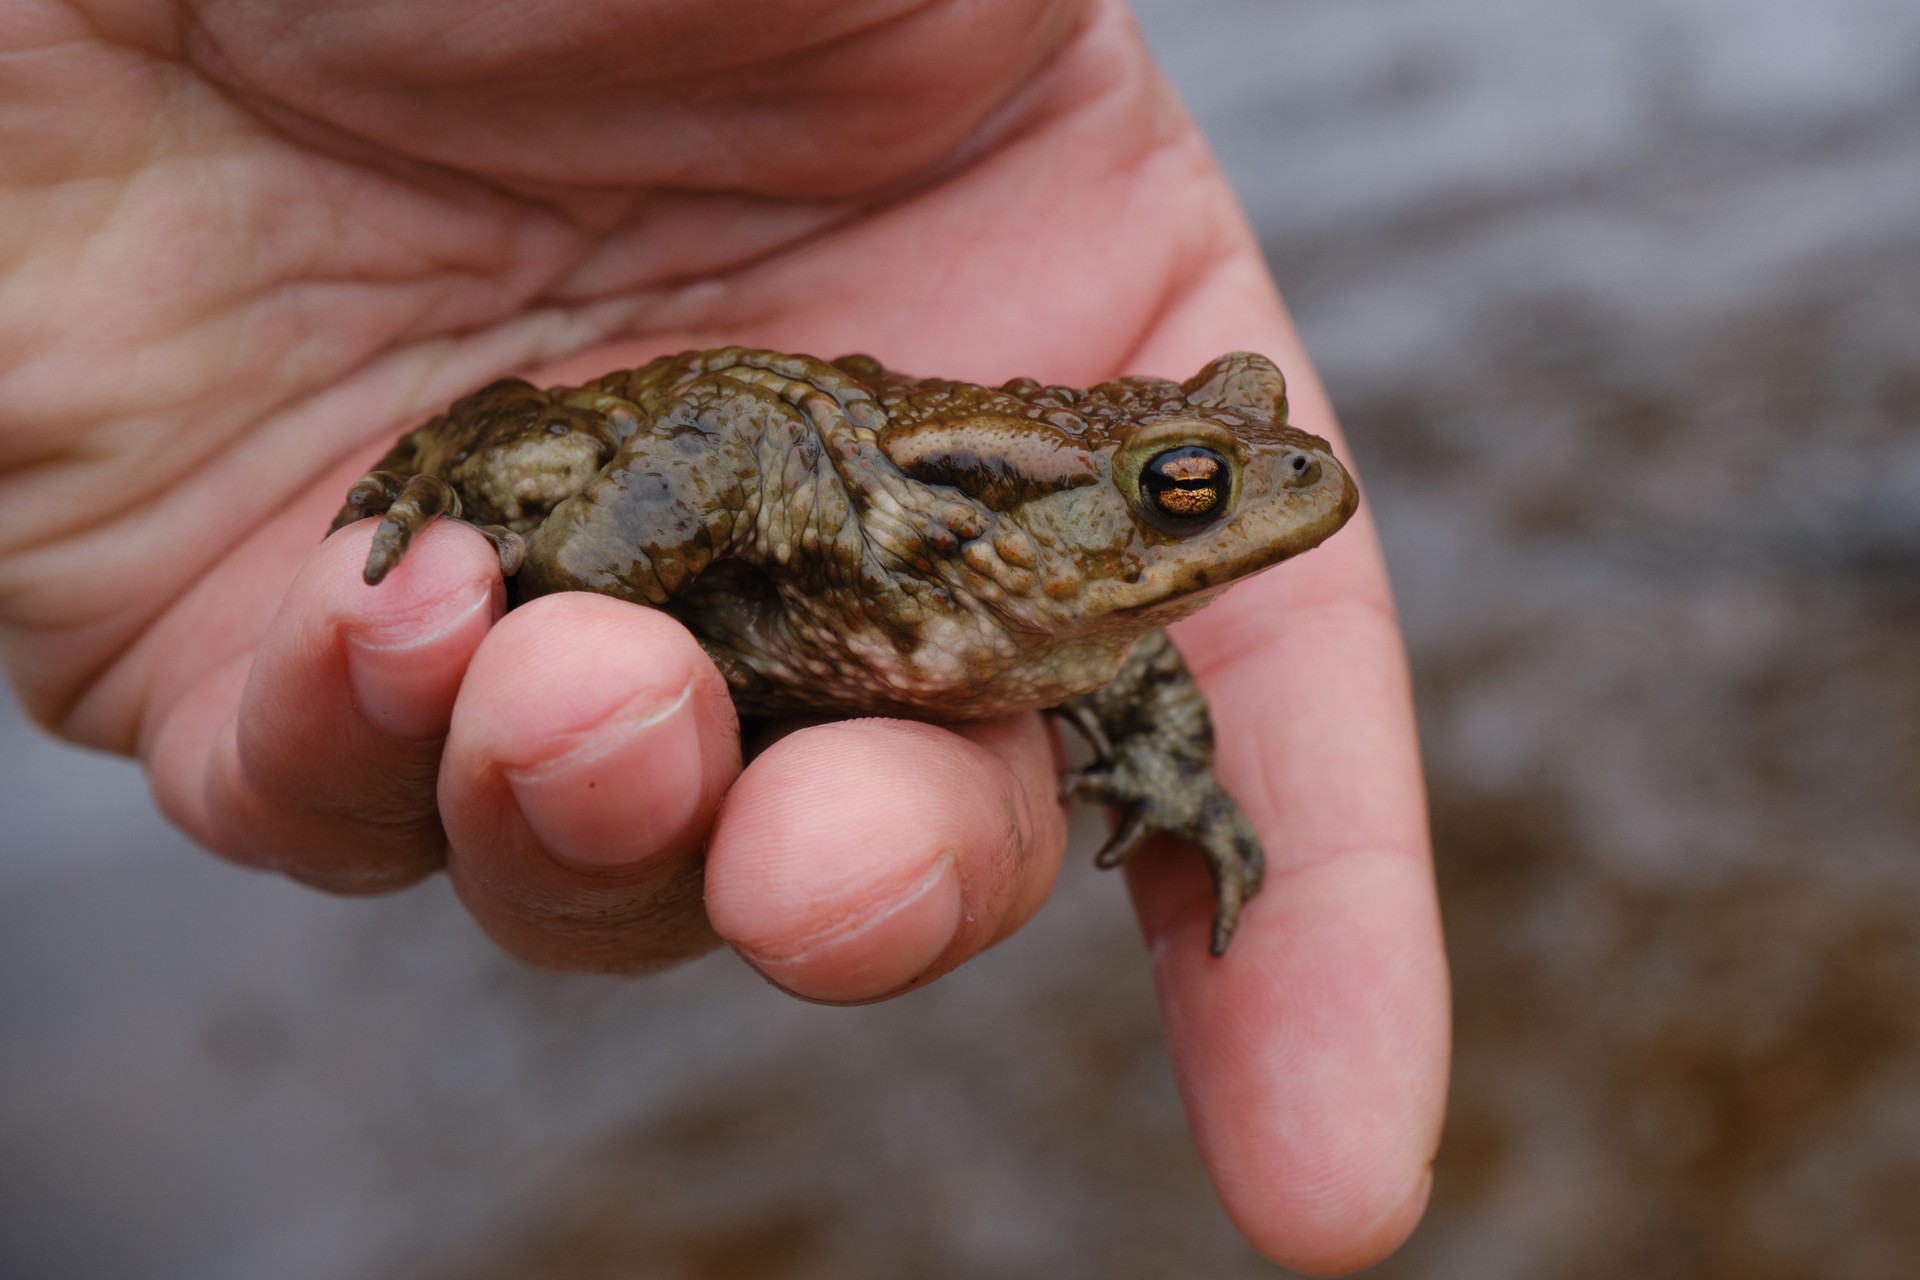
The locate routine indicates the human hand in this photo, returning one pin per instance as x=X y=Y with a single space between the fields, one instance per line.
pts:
x=246 y=243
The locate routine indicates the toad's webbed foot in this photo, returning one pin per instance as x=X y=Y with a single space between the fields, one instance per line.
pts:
x=1153 y=746
x=405 y=504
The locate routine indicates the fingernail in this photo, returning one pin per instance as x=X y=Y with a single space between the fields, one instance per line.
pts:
x=875 y=951
x=629 y=791
x=404 y=675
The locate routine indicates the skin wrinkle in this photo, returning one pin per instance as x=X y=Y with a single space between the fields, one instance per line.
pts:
x=995 y=123
x=423 y=178
x=1166 y=128
x=1214 y=256
x=70 y=717
x=1038 y=101
x=1230 y=646
x=470 y=17
x=1170 y=298
x=189 y=806
x=511 y=246
x=407 y=635
x=150 y=507
x=608 y=907
x=851 y=921
x=605 y=926
x=1018 y=841
x=227 y=71
x=509 y=230
x=604 y=736
x=580 y=282
x=610 y=912
x=92 y=17
x=156 y=477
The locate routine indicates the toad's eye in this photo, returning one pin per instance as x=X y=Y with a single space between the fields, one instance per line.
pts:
x=1186 y=483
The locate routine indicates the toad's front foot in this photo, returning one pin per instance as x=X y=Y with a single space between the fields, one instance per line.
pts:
x=405 y=504
x=1153 y=745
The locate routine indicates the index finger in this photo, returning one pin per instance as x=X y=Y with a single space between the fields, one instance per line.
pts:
x=1312 y=1057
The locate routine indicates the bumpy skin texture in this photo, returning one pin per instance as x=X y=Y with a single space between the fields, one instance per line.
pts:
x=848 y=540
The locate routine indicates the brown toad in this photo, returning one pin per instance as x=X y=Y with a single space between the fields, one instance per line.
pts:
x=848 y=540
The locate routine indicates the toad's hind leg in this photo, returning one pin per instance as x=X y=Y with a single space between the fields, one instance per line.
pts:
x=405 y=504
x=1153 y=745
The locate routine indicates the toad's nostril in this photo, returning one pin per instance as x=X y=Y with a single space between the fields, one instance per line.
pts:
x=1300 y=469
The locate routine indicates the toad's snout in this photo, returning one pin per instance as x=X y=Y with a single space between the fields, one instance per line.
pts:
x=1316 y=492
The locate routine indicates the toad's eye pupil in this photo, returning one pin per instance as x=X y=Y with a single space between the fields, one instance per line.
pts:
x=1185 y=483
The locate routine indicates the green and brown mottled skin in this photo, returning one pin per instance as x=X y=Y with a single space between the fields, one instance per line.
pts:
x=848 y=540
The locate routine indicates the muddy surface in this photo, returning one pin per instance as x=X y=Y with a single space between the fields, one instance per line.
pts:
x=1621 y=306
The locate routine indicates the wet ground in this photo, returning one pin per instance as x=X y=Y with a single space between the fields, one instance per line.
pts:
x=1621 y=306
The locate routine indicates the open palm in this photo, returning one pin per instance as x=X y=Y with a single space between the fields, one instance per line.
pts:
x=246 y=242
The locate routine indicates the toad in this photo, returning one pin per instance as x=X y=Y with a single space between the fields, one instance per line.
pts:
x=847 y=540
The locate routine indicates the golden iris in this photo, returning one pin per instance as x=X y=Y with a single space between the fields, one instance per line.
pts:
x=1186 y=483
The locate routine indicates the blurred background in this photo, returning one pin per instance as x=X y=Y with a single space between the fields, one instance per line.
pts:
x=1621 y=307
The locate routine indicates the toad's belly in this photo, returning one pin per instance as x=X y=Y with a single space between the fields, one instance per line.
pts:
x=806 y=658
